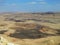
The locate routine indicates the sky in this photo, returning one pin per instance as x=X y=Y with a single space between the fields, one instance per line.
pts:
x=29 y=5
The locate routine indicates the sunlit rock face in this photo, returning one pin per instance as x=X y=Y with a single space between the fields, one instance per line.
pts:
x=4 y=41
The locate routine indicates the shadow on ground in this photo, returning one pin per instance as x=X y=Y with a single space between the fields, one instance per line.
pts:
x=39 y=32
x=3 y=31
x=32 y=33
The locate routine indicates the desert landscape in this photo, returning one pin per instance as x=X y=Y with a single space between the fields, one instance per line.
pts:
x=31 y=28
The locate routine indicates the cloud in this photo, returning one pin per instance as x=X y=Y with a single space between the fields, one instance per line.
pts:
x=32 y=3
x=43 y=2
x=40 y=0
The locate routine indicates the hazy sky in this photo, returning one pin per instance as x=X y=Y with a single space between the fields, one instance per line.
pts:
x=29 y=5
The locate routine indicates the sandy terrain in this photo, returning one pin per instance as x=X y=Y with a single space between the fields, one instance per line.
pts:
x=31 y=29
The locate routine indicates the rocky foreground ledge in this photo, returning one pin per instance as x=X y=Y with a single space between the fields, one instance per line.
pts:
x=4 y=41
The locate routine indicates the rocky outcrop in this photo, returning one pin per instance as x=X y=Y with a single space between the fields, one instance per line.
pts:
x=4 y=41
